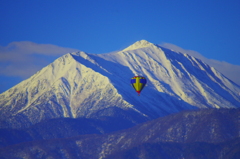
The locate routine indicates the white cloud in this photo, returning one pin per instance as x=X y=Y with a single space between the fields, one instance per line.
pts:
x=23 y=59
x=229 y=70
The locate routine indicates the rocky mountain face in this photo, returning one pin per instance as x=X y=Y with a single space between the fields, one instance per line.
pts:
x=81 y=85
x=206 y=133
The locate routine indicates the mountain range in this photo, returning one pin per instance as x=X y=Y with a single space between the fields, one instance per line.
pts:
x=83 y=106
x=93 y=85
x=204 y=133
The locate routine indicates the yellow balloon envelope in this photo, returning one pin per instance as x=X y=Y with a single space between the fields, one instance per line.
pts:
x=138 y=83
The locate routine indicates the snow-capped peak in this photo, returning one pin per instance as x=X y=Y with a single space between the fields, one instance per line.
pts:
x=138 y=45
x=92 y=85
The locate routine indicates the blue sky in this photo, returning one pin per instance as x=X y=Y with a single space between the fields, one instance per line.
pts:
x=210 y=27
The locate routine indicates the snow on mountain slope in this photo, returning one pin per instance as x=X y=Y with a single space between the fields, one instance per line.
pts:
x=84 y=85
x=179 y=75
x=65 y=88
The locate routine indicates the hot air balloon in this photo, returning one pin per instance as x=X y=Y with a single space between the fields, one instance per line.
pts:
x=138 y=83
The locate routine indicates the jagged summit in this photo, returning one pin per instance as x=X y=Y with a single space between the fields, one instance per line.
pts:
x=138 y=45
